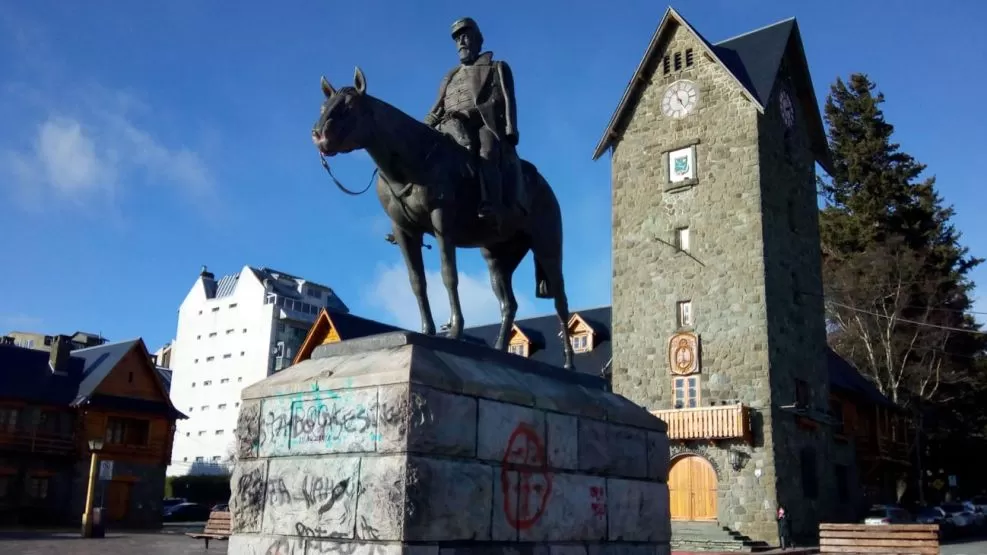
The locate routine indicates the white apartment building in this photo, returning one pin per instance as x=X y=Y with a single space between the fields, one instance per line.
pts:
x=231 y=333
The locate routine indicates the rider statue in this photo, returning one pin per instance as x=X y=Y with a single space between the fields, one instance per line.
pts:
x=476 y=107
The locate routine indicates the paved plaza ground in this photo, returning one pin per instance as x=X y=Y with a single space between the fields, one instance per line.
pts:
x=69 y=543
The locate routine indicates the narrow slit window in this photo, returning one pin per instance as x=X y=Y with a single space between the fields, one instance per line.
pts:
x=689 y=60
x=684 y=314
x=678 y=61
x=666 y=65
x=682 y=239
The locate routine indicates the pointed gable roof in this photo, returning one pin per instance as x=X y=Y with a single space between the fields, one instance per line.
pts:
x=346 y=325
x=753 y=59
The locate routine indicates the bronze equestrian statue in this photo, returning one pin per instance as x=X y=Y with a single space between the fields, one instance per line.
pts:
x=439 y=182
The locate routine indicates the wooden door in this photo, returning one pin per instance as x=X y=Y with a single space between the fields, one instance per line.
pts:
x=117 y=500
x=692 y=489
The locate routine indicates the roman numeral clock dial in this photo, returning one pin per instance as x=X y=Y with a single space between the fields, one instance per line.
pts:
x=680 y=99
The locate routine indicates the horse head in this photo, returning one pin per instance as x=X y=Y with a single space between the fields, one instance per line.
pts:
x=343 y=121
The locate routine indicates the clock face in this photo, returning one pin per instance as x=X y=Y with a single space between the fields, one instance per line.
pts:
x=787 y=109
x=679 y=99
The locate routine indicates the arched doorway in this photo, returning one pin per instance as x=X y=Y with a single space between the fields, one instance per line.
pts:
x=692 y=489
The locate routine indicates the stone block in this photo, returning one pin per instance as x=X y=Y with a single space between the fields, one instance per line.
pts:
x=559 y=508
x=560 y=437
x=424 y=499
x=248 y=485
x=638 y=511
x=593 y=445
x=658 y=456
x=312 y=496
x=248 y=430
x=504 y=426
x=420 y=419
x=625 y=549
x=265 y=545
x=319 y=422
x=628 y=451
x=335 y=547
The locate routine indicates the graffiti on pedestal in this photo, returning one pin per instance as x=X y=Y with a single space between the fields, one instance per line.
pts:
x=524 y=477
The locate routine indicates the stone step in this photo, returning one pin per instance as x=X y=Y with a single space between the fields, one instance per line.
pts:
x=710 y=536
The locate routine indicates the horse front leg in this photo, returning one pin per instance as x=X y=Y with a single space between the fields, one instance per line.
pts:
x=411 y=248
x=450 y=274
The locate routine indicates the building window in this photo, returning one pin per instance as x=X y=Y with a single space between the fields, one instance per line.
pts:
x=683 y=314
x=210 y=359
x=204 y=407
x=201 y=433
x=686 y=392
x=836 y=414
x=198 y=459
x=236 y=404
x=581 y=343
x=232 y=305
x=221 y=406
x=227 y=355
x=810 y=484
x=678 y=61
x=188 y=434
x=215 y=309
x=200 y=313
x=842 y=482
x=196 y=361
x=682 y=239
x=219 y=432
x=213 y=334
x=37 y=487
x=520 y=349
x=198 y=337
x=216 y=458
x=127 y=431
x=8 y=419
x=239 y=379
x=229 y=331
x=193 y=384
x=243 y=353
x=224 y=380
x=207 y=382
x=666 y=65
x=688 y=57
x=244 y=330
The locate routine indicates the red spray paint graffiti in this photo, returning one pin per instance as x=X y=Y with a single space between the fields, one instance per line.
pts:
x=526 y=493
x=599 y=503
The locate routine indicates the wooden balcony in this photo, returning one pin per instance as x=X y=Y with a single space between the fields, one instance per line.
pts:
x=720 y=422
x=27 y=442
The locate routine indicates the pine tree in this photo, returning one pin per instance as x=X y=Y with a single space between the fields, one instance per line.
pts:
x=891 y=257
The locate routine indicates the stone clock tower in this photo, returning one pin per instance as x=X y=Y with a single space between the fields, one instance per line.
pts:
x=717 y=283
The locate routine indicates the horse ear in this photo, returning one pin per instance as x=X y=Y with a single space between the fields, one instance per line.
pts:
x=327 y=88
x=360 y=81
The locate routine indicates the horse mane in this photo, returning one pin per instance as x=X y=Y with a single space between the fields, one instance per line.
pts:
x=418 y=136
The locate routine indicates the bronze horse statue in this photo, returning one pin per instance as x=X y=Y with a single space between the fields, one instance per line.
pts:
x=428 y=183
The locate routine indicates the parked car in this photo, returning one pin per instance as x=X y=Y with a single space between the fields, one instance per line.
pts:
x=887 y=514
x=961 y=517
x=977 y=512
x=172 y=501
x=979 y=503
x=186 y=512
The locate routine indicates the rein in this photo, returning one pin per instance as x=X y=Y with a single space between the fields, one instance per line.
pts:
x=325 y=164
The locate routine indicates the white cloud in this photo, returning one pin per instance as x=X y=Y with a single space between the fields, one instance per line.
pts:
x=391 y=292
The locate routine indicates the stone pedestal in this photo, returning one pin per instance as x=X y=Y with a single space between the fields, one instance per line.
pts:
x=401 y=442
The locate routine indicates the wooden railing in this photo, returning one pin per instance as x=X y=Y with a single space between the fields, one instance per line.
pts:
x=27 y=442
x=721 y=422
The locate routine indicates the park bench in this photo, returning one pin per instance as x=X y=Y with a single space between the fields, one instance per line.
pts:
x=218 y=527
x=899 y=539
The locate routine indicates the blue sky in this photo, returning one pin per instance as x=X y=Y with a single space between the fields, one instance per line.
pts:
x=141 y=140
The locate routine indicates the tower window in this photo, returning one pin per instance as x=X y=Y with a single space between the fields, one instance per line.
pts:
x=678 y=61
x=684 y=314
x=666 y=65
x=686 y=392
x=688 y=57
x=682 y=239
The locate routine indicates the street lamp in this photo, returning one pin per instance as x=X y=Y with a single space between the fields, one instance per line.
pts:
x=95 y=445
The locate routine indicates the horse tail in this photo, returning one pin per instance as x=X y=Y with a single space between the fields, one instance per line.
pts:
x=546 y=233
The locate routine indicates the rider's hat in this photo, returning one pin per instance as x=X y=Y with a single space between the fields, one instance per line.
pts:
x=463 y=24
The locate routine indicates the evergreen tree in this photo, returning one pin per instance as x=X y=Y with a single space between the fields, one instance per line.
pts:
x=892 y=257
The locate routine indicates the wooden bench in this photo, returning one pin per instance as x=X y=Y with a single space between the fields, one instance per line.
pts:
x=899 y=539
x=218 y=527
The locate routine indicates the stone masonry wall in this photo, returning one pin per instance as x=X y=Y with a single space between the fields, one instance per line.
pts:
x=795 y=314
x=723 y=275
x=491 y=460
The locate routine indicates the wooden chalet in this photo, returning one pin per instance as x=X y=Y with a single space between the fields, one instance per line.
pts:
x=53 y=403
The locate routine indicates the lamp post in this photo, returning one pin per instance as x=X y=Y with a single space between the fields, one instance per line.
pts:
x=95 y=445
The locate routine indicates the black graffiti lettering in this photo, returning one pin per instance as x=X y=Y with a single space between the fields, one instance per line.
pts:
x=367 y=531
x=277 y=493
x=335 y=547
